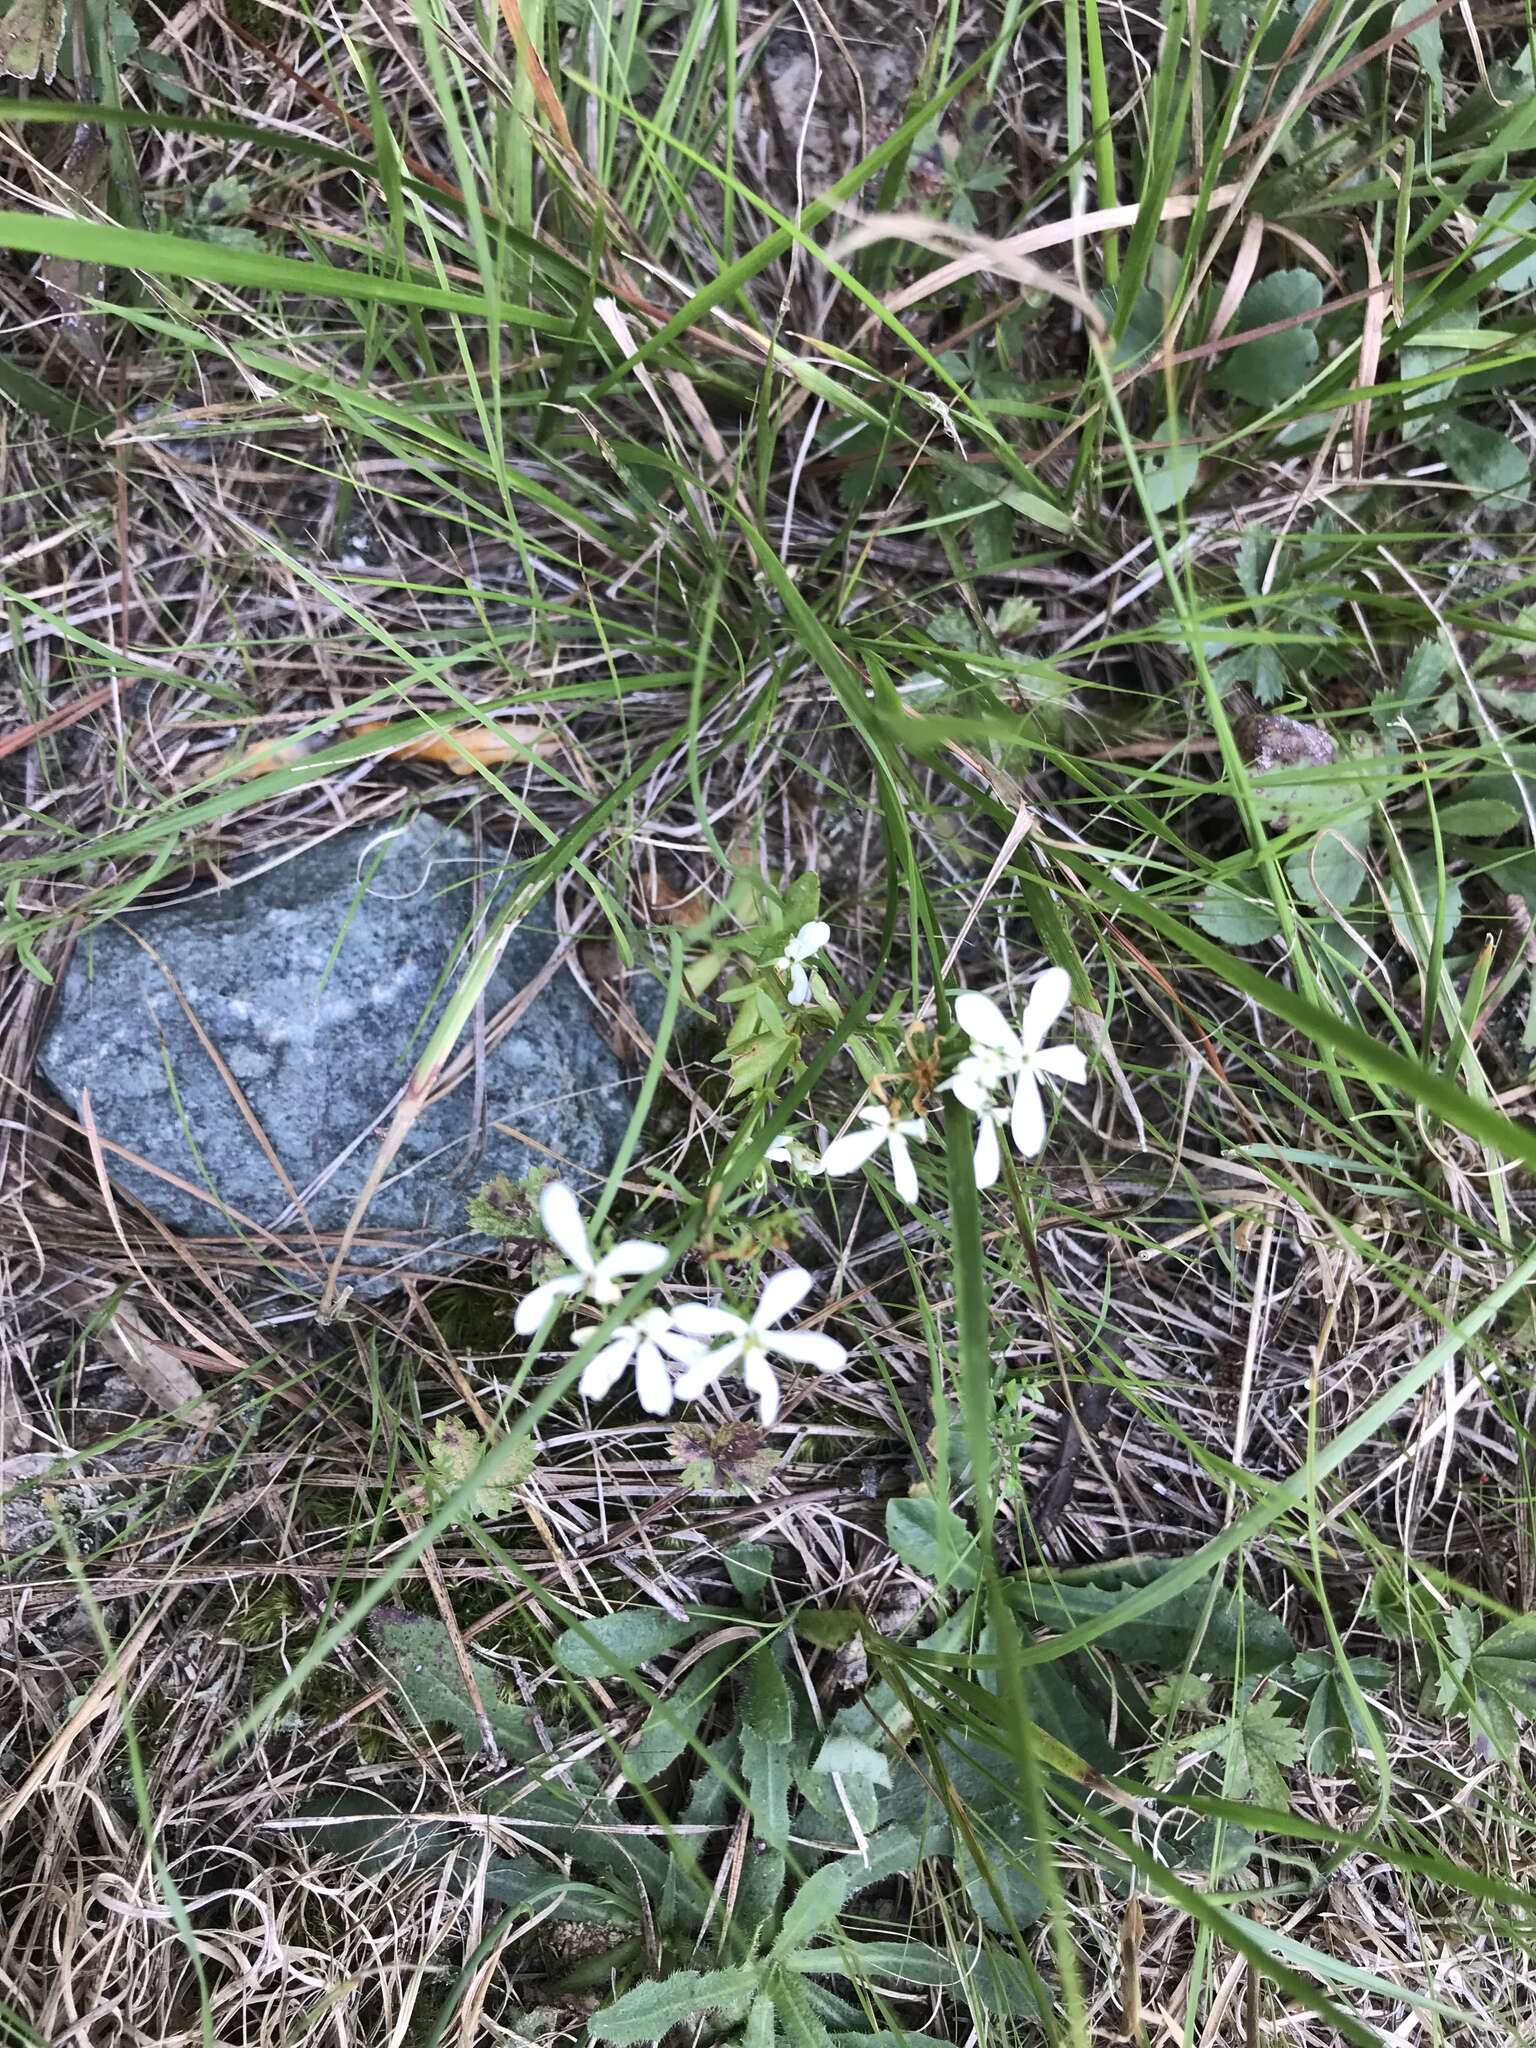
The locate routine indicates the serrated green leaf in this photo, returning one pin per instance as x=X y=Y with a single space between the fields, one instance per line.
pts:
x=759 y=2030
x=1258 y=1745
x=1478 y=818
x=611 y=1645
x=814 y=1906
x=1484 y=460
x=766 y=1707
x=768 y=1768
x=1234 y=917
x=456 y=1452
x=655 y=2007
x=1500 y=1677
x=1268 y=371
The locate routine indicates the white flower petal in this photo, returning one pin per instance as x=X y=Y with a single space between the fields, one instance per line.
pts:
x=848 y=1153
x=534 y=1307
x=808 y=940
x=653 y=1383
x=782 y=1294
x=1028 y=1117
x=561 y=1217
x=706 y=1319
x=984 y=1023
x=1066 y=1062
x=968 y=1088
x=629 y=1259
x=1049 y=996
x=799 y=985
x=903 y=1172
x=698 y=1379
x=989 y=1157
x=809 y=1347
x=763 y=1381
x=604 y=1369
x=913 y=1129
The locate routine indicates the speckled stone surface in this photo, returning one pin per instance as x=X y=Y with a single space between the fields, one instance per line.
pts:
x=317 y=982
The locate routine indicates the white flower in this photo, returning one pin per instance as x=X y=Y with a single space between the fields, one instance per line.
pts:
x=794 y=1153
x=652 y=1333
x=751 y=1340
x=603 y=1281
x=847 y=1154
x=1002 y=1057
x=805 y=945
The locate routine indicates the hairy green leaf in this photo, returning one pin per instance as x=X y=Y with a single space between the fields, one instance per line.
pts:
x=655 y=2007
x=611 y=1645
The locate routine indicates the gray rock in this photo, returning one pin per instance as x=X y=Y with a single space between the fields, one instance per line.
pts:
x=317 y=982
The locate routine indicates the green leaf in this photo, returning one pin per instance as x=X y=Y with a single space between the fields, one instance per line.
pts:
x=524 y=1881
x=766 y=1707
x=930 y=1538
x=828 y=1628
x=1428 y=47
x=1234 y=917
x=1484 y=460
x=768 y=1768
x=417 y=1652
x=456 y=1452
x=1259 y=1745
x=612 y=1645
x=1171 y=478
x=1269 y=371
x=655 y=2007
x=1414 y=699
x=1497 y=1678
x=1335 y=1729
x=1240 y=1634
x=1479 y=818
x=759 y=2030
x=1330 y=872
x=1429 y=896
x=666 y=1731
x=815 y=1905
x=891 y=1962
x=1505 y=227
x=750 y=1566
x=1229 y=18
x=850 y=1756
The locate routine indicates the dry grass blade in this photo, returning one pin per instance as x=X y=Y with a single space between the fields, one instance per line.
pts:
x=980 y=253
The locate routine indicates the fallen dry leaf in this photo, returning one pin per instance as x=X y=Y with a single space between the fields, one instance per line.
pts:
x=469 y=746
x=154 y=1368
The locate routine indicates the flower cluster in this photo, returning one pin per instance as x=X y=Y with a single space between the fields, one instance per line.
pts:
x=1001 y=1062
x=679 y=1354
x=704 y=1339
